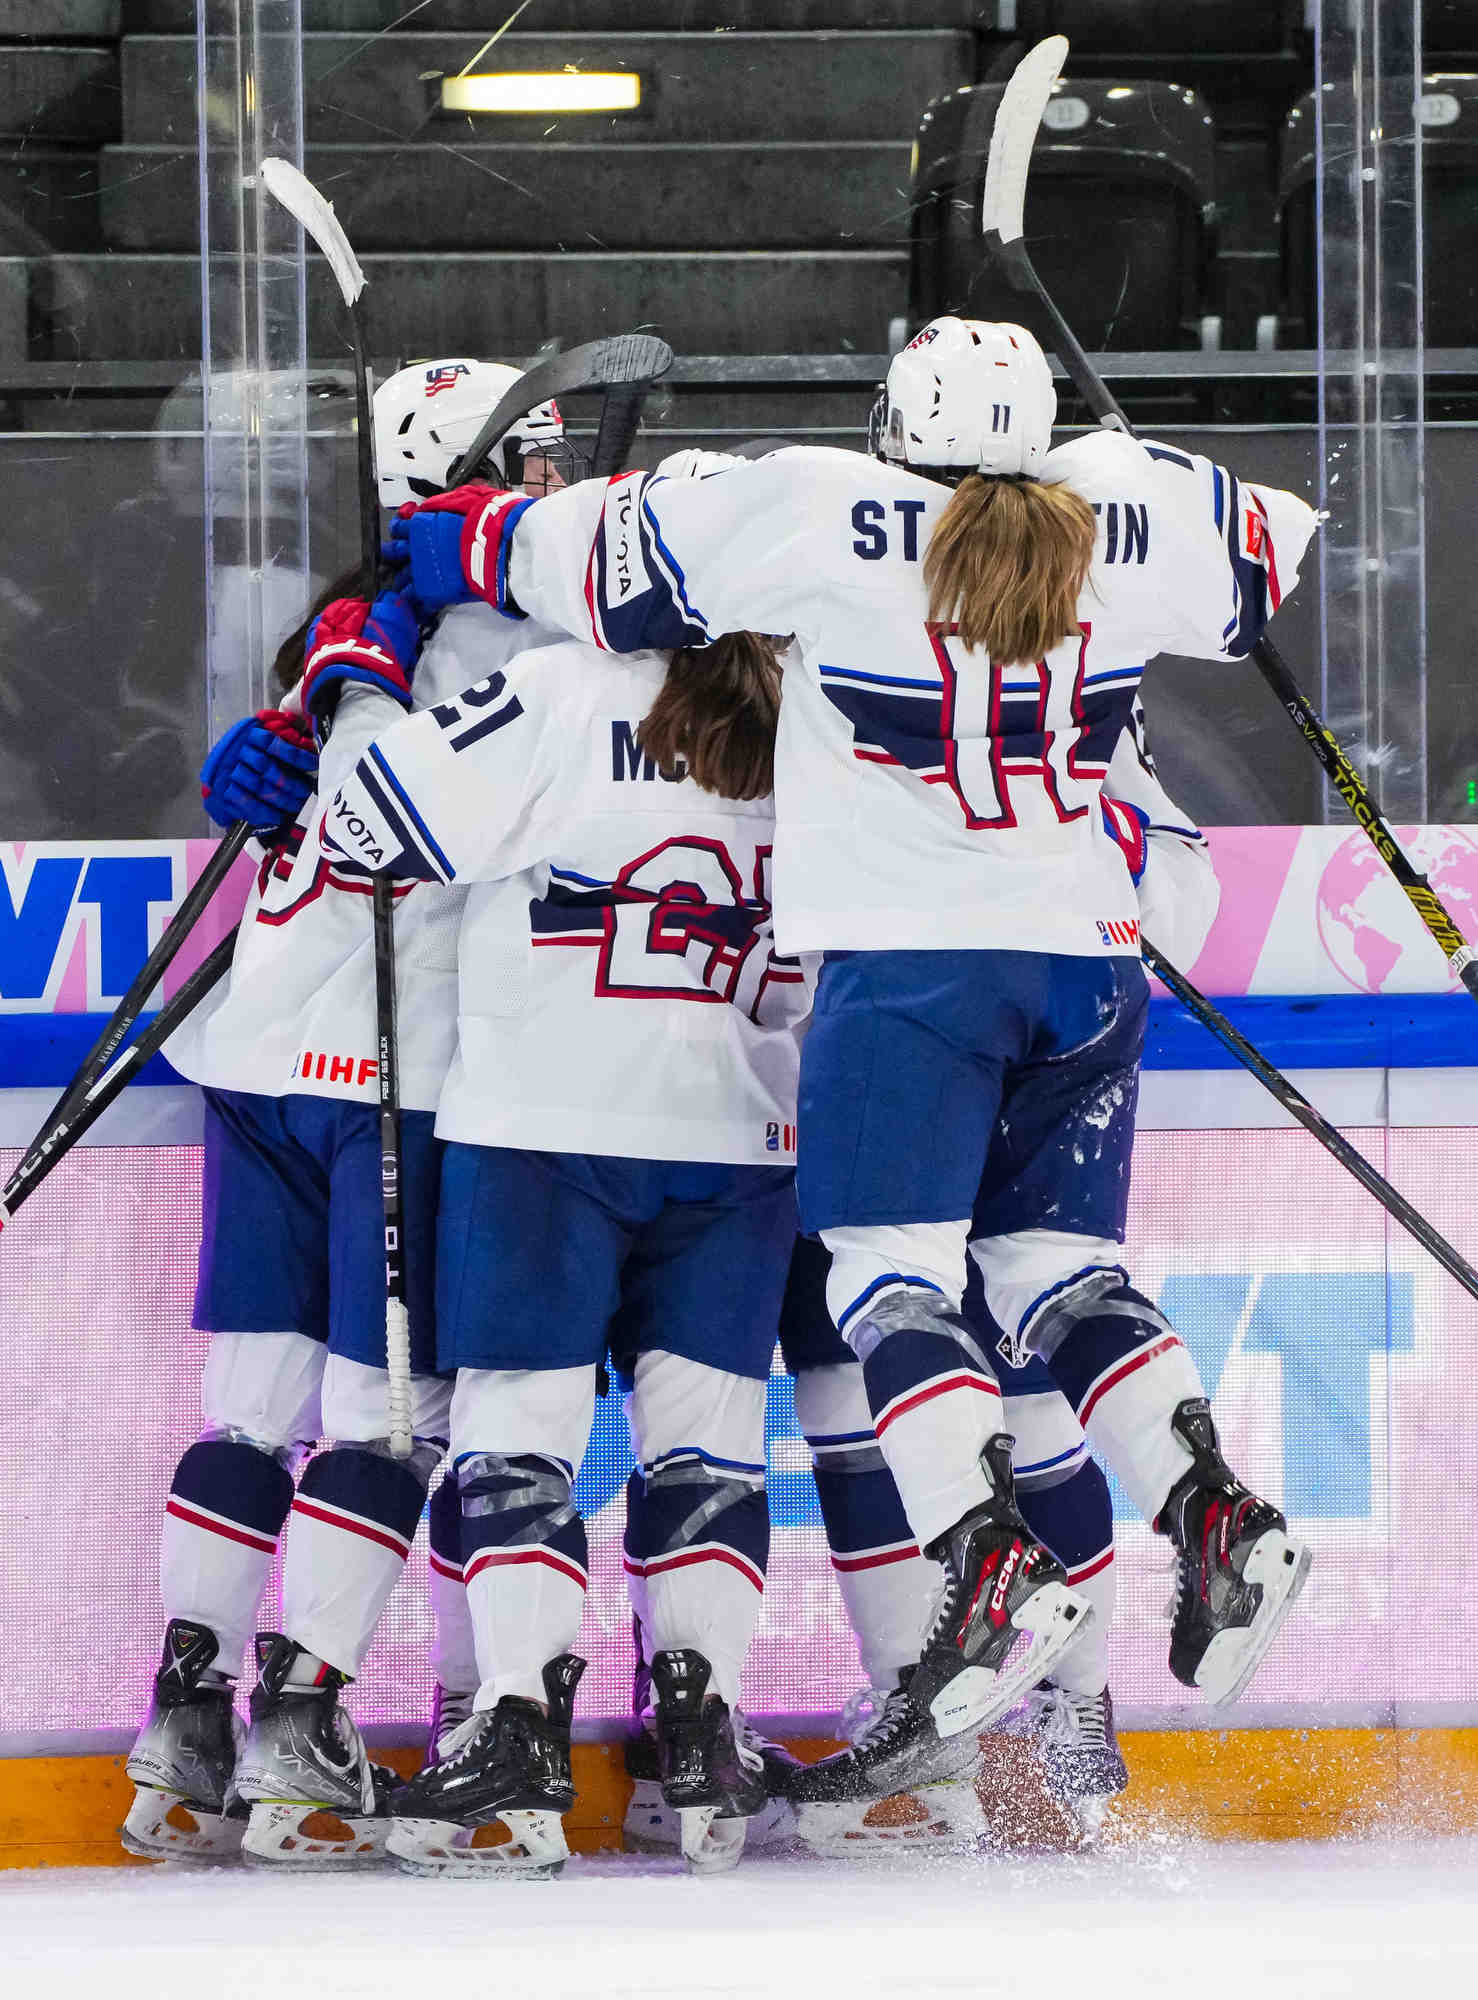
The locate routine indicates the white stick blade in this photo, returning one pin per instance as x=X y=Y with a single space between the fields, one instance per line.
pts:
x=1018 y=116
x=301 y=199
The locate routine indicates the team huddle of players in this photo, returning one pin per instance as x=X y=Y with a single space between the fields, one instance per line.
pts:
x=770 y=837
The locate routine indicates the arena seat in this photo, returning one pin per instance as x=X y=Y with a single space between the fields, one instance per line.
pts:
x=58 y=103
x=1120 y=214
x=1449 y=215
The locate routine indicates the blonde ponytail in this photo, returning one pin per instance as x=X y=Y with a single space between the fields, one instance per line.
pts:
x=1006 y=565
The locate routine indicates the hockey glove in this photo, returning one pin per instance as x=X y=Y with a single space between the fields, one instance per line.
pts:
x=372 y=645
x=1127 y=827
x=459 y=544
x=263 y=770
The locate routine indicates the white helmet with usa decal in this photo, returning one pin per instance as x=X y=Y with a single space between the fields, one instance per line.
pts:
x=966 y=395
x=427 y=415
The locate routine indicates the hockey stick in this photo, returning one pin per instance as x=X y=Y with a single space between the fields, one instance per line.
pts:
x=303 y=201
x=33 y=1170
x=1299 y=1107
x=58 y=1120
x=625 y=366
x=1018 y=116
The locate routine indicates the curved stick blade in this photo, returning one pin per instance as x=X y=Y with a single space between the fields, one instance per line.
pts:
x=302 y=200
x=1018 y=116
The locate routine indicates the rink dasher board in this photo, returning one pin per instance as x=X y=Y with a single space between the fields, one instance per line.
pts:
x=1233 y=1785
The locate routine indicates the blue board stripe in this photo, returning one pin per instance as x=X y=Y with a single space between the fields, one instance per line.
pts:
x=1314 y=1031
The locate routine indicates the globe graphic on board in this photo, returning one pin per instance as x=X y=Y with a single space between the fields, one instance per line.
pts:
x=1367 y=927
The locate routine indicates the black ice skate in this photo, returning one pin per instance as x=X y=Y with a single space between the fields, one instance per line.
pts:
x=998 y=1584
x=183 y=1760
x=317 y=1802
x=650 y=1825
x=493 y=1802
x=713 y=1784
x=1237 y=1572
x=898 y=1783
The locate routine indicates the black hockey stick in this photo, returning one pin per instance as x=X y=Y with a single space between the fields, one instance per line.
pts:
x=58 y=1120
x=625 y=366
x=33 y=1170
x=1298 y=1106
x=1017 y=118
x=302 y=200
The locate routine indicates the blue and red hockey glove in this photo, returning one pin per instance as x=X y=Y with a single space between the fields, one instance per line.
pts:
x=368 y=645
x=459 y=544
x=263 y=770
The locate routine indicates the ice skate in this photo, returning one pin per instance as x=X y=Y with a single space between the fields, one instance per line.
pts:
x=898 y=1783
x=1238 y=1570
x=651 y=1825
x=998 y=1584
x=1048 y=1774
x=184 y=1757
x=493 y=1802
x=450 y=1708
x=709 y=1780
x=317 y=1802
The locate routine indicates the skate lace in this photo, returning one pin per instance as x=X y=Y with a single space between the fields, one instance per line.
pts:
x=452 y=1708
x=873 y=1716
x=1071 y=1721
x=750 y=1743
x=455 y=1746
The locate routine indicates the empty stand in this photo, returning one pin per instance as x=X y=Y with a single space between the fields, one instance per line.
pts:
x=1156 y=27
x=1120 y=213
x=1449 y=216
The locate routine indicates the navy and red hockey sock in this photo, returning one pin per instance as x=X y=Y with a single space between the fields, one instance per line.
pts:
x=227 y=1503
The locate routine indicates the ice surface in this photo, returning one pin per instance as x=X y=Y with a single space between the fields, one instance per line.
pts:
x=1187 y=1920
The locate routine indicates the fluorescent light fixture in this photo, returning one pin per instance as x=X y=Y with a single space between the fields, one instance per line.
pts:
x=535 y=91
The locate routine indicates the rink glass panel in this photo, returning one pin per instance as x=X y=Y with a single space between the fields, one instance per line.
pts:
x=1338 y=1356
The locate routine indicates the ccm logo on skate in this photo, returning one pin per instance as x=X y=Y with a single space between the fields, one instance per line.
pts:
x=1117 y=933
x=1003 y=1583
x=358 y=1070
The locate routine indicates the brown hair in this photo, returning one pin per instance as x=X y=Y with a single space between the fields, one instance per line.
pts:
x=287 y=662
x=716 y=713
x=1006 y=565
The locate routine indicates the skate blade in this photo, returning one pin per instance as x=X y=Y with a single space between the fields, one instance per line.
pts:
x=651 y=1825
x=293 y=1833
x=166 y=1826
x=1054 y=1616
x=938 y=1816
x=528 y=1844
x=1281 y=1566
x=710 y=1846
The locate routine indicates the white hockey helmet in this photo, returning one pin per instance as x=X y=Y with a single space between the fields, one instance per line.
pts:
x=966 y=395
x=427 y=415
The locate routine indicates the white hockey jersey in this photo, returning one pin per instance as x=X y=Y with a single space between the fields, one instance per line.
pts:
x=925 y=797
x=620 y=992
x=297 y=1011
x=1178 y=893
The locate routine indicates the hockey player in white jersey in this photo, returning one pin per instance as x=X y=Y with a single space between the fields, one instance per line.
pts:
x=291 y=1271
x=1058 y=1792
x=971 y=618
x=619 y=1128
